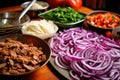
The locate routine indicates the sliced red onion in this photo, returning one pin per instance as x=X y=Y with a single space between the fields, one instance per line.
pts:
x=74 y=76
x=60 y=63
x=114 y=75
x=86 y=54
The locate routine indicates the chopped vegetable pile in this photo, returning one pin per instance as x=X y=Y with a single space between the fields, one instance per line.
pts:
x=104 y=20
x=86 y=54
x=64 y=15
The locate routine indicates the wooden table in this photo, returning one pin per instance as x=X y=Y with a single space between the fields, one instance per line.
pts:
x=47 y=72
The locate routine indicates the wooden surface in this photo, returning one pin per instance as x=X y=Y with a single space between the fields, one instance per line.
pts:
x=94 y=4
x=18 y=8
x=47 y=72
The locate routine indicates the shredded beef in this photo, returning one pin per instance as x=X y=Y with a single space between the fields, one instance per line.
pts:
x=16 y=57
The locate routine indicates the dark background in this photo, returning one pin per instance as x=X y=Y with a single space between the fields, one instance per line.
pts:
x=7 y=3
x=110 y=5
x=113 y=5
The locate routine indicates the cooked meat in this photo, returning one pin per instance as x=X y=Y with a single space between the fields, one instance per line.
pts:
x=13 y=53
x=43 y=58
x=21 y=70
x=2 y=65
x=11 y=71
x=16 y=57
x=2 y=44
x=11 y=62
x=28 y=67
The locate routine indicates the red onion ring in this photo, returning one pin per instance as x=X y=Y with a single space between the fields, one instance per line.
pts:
x=86 y=54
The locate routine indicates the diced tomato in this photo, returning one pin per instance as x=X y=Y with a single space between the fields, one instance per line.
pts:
x=108 y=34
x=105 y=20
x=99 y=16
x=104 y=26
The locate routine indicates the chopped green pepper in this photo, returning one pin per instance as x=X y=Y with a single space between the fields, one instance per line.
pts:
x=64 y=15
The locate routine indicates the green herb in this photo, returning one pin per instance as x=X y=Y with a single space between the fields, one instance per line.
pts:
x=113 y=17
x=119 y=21
x=64 y=15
